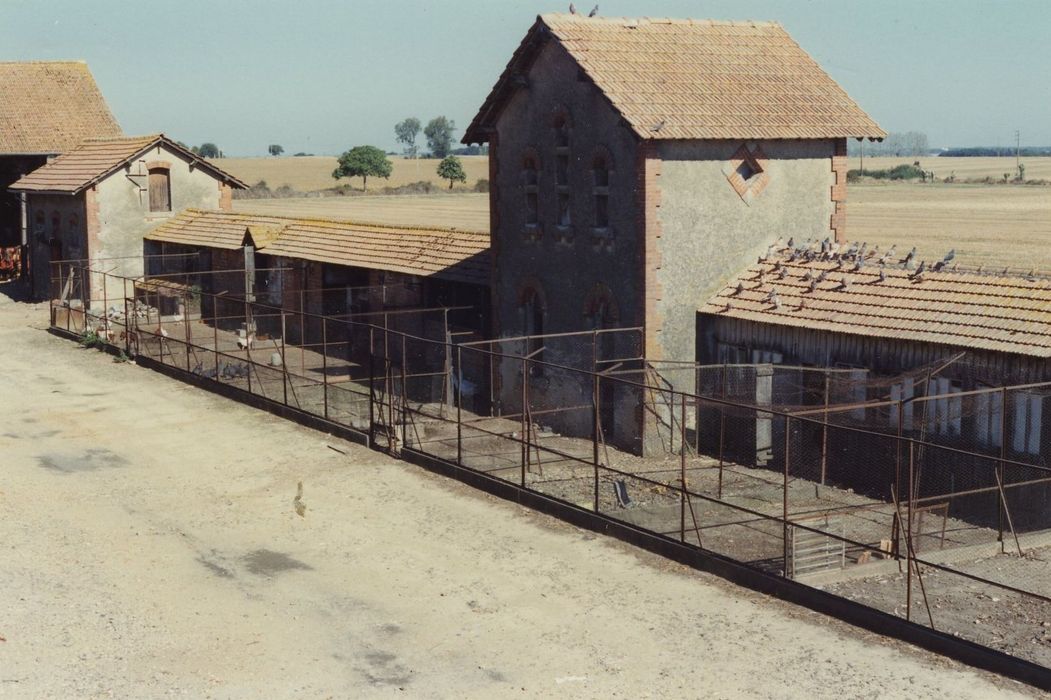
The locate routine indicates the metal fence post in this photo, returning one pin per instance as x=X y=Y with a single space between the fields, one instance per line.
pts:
x=324 y=363
x=595 y=431
x=784 y=495
x=525 y=398
x=682 y=475
x=908 y=536
x=459 y=405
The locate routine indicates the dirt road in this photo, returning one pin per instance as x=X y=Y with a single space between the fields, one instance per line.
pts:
x=151 y=548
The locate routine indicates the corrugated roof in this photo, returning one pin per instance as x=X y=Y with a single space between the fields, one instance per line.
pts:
x=693 y=79
x=94 y=159
x=460 y=256
x=962 y=309
x=50 y=107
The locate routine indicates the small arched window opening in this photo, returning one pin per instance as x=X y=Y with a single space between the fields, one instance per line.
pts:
x=531 y=187
x=560 y=125
x=160 y=189
x=533 y=310
x=600 y=190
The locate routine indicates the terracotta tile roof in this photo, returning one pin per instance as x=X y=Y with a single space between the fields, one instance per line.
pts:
x=94 y=159
x=459 y=256
x=50 y=106
x=693 y=79
x=962 y=309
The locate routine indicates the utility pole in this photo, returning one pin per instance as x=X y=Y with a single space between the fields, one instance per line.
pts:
x=1018 y=142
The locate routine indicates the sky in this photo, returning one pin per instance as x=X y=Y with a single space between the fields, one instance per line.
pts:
x=321 y=76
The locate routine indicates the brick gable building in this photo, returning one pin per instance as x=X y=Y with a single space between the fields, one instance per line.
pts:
x=637 y=164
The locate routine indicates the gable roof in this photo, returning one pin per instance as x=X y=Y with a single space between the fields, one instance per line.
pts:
x=459 y=256
x=691 y=79
x=95 y=159
x=47 y=107
x=962 y=309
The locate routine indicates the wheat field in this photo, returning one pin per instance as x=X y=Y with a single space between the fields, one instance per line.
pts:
x=313 y=173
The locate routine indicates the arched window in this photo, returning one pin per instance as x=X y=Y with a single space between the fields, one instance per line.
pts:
x=600 y=168
x=600 y=309
x=533 y=308
x=531 y=187
x=563 y=210
x=160 y=188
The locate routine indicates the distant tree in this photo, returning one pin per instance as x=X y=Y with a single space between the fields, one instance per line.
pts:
x=208 y=150
x=451 y=169
x=275 y=149
x=439 y=133
x=363 y=162
x=1021 y=172
x=301 y=154
x=406 y=131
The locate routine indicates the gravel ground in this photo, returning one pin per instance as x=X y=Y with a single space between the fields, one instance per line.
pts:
x=151 y=548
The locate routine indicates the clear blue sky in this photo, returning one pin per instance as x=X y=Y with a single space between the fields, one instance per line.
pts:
x=323 y=75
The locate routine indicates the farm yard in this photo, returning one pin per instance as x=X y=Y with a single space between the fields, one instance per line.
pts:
x=984 y=223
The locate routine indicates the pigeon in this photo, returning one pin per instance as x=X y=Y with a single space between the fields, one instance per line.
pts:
x=882 y=276
x=808 y=275
x=920 y=269
x=909 y=258
x=859 y=264
x=594 y=11
x=1031 y=277
x=823 y=276
x=740 y=288
x=845 y=284
x=949 y=256
x=813 y=285
x=572 y=9
x=791 y=242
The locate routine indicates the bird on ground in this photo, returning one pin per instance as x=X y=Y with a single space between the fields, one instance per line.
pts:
x=297 y=502
x=594 y=11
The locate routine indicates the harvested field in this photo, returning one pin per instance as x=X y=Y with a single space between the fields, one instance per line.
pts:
x=313 y=173
x=468 y=212
x=991 y=225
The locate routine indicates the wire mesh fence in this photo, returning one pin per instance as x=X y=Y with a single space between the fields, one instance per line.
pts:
x=934 y=507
